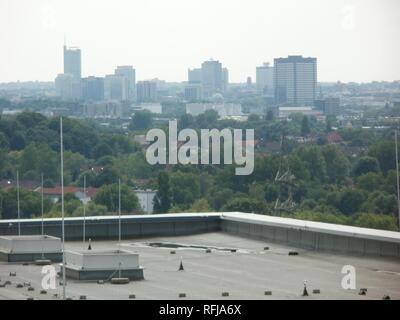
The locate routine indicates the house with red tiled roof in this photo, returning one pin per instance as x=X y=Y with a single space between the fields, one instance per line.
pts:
x=333 y=138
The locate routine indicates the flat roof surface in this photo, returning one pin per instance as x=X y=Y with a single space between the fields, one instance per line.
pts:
x=245 y=274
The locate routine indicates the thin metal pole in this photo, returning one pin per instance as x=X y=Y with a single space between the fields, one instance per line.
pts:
x=119 y=211
x=42 y=208
x=18 y=210
x=119 y=226
x=84 y=210
x=398 y=185
x=62 y=207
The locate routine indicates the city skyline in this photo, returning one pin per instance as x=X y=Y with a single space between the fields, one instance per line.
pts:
x=353 y=40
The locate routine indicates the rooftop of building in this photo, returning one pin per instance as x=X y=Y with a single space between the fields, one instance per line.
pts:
x=245 y=274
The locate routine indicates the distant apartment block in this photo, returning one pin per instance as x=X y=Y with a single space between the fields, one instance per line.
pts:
x=330 y=106
x=211 y=77
x=223 y=109
x=116 y=87
x=193 y=92
x=265 y=78
x=129 y=73
x=146 y=91
x=67 y=86
x=92 y=89
x=194 y=75
x=153 y=107
x=295 y=80
x=104 y=109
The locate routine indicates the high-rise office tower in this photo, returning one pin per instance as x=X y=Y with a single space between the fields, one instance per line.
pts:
x=194 y=75
x=211 y=77
x=295 y=80
x=116 y=87
x=265 y=78
x=130 y=74
x=72 y=62
x=92 y=89
x=67 y=87
x=146 y=91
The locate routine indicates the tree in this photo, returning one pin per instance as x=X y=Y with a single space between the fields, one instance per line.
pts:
x=107 y=176
x=245 y=204
x=200 y=205
x=376 y=221
x=384 y=152
x=185 y=189
x=314 y=161
x=337 y=165
x=162 y=200
x=108 y=196
x=380 y=202
x=142 y=120
x=219 y=197
x=370 y=181
x=351 y=201
x=365 y=165
x=305 y=127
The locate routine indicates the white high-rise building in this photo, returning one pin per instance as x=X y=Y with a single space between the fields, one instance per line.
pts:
x=130 y=74
x=265 y=78
x=295 y=80
x=211 y=77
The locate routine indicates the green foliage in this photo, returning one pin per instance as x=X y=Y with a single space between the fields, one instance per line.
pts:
x=142 y=120
x=30 y=204
x=245 y=204
x=350 y=201
x=365 y=165
x=376 y=221
x=108 y=196
x=384 y=152
x=162 y=200
x=200 y=205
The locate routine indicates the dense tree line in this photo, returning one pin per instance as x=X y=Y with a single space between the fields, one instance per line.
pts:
x=351 y=183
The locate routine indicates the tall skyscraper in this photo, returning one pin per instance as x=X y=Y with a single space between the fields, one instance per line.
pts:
x=295 y=80
x=211 y=77
x=130 y=74
x=146 y=91
x=72 y=62
x=265 y=78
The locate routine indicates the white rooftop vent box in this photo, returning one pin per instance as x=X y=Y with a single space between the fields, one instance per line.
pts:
x=103 y=265
x=30 y=248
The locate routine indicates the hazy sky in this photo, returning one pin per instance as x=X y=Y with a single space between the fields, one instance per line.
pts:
x=354 y=40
